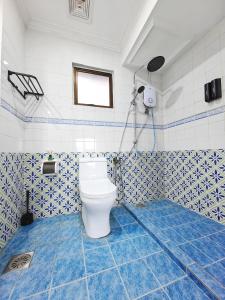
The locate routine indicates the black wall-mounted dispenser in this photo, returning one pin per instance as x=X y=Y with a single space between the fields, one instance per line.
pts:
x=213 y=90
x=208 y=92
x=216 y=89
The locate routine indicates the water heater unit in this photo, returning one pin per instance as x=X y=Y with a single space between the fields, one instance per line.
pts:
x=150 y=96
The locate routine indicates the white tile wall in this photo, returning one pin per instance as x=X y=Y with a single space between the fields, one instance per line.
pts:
x=50 y=58
x=12 y=51
x=183 y=94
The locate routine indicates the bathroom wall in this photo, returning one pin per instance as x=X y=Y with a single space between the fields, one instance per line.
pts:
x=55 y=122
x=194 y=130
x=11 y=124
x=191 y=122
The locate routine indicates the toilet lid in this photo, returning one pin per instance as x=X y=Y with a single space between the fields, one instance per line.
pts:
x=97 y=188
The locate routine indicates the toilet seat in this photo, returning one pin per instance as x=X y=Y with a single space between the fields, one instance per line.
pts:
x=97 y=188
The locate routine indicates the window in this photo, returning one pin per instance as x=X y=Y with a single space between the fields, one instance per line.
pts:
x=93 y=88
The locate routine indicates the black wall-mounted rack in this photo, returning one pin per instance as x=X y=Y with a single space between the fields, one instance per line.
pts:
x=29 y=84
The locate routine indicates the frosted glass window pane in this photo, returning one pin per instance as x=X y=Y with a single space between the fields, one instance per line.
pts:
x=93 y=89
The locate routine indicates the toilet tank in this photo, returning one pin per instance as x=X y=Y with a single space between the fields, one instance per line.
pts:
x=92 y=168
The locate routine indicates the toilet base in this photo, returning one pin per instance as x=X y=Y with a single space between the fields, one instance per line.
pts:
x=96 y=221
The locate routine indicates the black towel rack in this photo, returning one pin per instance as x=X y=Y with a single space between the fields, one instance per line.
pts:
x=29 y=84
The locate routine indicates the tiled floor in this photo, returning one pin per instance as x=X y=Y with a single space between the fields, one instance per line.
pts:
x=196 y=243
x=133 y=262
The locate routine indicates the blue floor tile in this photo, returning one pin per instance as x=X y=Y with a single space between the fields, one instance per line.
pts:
x=219 y=238
x=145 y=245
x=212 y=250
x=7 y=282
x=113 y=222
x=138 y=279
x=125 y=219
x=195 y=254
x=76 y=291
x=124 y=251
x=98 y=260
x=90 y=243
x=208 y=280
x=33 y=280
x=106 y=286
x=185 y=289
x=68 y=269
x=134 y=230
x=158 y=295
x=120 y=210
x=174 y=236
x=164 y=268
x=188 y=232
x=217 y=270
x=116 y=235
x=68 y=232
x=44 y=255
x=69 y=247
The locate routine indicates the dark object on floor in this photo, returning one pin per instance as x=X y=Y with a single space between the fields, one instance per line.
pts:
x=27 y=218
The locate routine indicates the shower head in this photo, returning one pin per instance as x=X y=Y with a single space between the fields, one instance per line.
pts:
x=156 y=63
x=141 y=89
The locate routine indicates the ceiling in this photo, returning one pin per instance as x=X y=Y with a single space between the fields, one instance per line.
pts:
x=110 y=20
x=173 y=27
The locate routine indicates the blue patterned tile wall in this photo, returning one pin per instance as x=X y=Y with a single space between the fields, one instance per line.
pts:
x=53 y=195
x=11 y=194
x=196 y=179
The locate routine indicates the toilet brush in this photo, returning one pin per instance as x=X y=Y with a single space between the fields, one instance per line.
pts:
x=27 y=218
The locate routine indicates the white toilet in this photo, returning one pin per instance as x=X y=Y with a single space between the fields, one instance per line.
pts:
x=97 y=194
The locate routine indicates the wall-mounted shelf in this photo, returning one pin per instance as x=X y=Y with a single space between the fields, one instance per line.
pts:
x=25 y=84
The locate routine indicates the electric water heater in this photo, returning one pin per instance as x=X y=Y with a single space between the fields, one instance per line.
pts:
x=149 y=96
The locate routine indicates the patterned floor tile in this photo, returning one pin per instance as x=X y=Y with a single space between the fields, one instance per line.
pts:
x=100 y=289
x=212 y=250
x=138 y=279
x=90 y=243
x=98 y=260
x=164 y=268
x=125 y=219
x=7 y=282
x=116 y=235
x=124 y=251
x=76 y=290
x=68 y=269
x=174 y=236
x=145 y=245
x=217 y=270
x=133 y=230
x=195 y=254
x=33 y=280
x=185 y=289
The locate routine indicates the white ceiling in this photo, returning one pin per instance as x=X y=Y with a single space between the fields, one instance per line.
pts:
x=110 y=20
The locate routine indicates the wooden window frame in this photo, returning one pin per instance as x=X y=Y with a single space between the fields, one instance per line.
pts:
x=95 y=72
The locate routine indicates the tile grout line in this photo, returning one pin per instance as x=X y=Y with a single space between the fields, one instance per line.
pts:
x=85 y=267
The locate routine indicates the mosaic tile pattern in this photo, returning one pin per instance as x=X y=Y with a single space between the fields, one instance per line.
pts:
x=11 y=194
x=196 y=180
x=53 y=195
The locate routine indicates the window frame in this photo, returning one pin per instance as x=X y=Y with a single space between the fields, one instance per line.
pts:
x=76 y=70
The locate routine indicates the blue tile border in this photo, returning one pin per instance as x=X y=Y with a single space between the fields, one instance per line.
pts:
x=58 y=121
